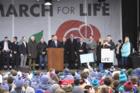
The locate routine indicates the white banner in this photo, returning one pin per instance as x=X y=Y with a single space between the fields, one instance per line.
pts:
x=80 y=17
x=107 y=56
x=86 y=58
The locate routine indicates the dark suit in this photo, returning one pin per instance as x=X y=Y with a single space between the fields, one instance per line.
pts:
x=52 y=44
x=72 y=49
x=63 y=44
x=23 y=49
x=9 y=44
x=83 y=47
x=6 y=54
x=49 y=43
x=15 y=55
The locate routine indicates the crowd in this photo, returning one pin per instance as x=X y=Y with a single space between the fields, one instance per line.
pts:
x=88 y=80
x=15 y=54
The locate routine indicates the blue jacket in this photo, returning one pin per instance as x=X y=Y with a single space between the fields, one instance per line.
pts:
x=126 y=49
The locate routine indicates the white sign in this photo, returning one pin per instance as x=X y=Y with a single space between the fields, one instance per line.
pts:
x=85 y=58
x=107 y=56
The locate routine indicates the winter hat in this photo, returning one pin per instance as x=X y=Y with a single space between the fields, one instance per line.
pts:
x=45 y=83
x=95 y=83
x=5 y=86
x=19 y=82
x=39 y=91
x=66 y=82
x=136 y=72
x=122 y=76
x=77 y=76
x=44 y=79
x=128 y=85
x=129 y=71
x=101 y=81
x=66 y=71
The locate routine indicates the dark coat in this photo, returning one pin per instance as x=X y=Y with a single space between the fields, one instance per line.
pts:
x=9 y=44
x=71 y=47
x=41 y=47
x=52 y=44
x=32 y=49
x=23 y=49
x=82 y=47
x=63 y=45
x=112 y=45
x=15 y=48
x=49 y=43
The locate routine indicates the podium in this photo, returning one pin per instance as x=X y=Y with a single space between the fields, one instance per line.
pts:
x=56 y=58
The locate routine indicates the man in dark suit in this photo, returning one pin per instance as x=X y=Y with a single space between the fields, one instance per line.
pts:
x=82 y=49
x=63 y=43
x=6 y=52
x=72 y=49
x=23 y=50
x=55 y=43
x=50 y=41
x=15 y=53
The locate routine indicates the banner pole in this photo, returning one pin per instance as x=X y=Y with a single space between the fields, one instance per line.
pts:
x=13 y=22
x=85 y=18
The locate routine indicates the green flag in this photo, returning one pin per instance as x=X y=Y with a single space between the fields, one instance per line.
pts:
x=38 y=36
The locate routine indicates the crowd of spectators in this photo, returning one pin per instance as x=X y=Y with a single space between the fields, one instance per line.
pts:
x=88 y=80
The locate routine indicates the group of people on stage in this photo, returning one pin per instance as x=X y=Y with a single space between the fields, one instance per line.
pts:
x=14 y=54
